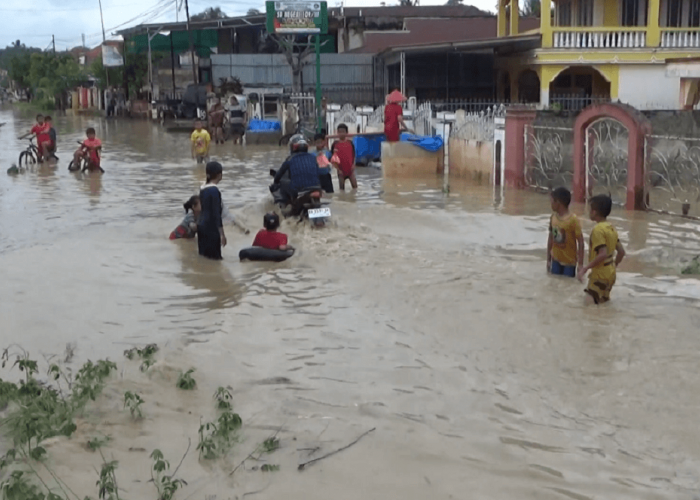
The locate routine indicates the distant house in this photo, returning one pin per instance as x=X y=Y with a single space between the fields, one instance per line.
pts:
x=642 y=52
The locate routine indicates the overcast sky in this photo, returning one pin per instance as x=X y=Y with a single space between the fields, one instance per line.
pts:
x=34 y=21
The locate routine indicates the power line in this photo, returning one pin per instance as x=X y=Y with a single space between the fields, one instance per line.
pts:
x=48 y=11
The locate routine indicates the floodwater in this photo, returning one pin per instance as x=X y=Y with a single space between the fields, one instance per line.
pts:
x=428 y=319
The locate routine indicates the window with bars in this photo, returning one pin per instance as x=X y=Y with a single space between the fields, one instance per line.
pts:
x=634 y=12
x=585 y=12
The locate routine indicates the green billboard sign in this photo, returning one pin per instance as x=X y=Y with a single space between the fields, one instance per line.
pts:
x=297 y=17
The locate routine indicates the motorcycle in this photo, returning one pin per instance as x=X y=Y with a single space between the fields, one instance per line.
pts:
x=306 y=206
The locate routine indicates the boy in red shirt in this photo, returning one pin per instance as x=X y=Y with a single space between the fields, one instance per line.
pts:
x=269 y=237
x=345 y=151
x=91 y=148
x=43 y=140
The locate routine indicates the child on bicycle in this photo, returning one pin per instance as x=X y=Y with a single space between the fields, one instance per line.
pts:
x=91 y=150
x=43 y=140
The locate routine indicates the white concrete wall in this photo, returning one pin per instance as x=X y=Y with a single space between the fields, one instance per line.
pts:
x=649 y=87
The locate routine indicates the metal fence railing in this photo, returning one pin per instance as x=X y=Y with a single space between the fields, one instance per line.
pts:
x=468 y=105
x=574 y=102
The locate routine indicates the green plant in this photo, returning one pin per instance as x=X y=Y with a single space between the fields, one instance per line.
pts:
x=18 y=487
x=96 y=443
x=692 y=268
x=146 y=355
x=89 y=381
x=185 y=380
x=215 y=439
x=107 y=483
x=271 y=444
x=166 y=485
x=223 y=399
x=269 y=468
x=133 y=401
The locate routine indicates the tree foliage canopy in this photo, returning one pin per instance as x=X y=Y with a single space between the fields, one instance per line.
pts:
x=209 y=14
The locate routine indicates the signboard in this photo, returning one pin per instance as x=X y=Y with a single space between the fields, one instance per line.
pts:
x=297 y=17
x=111 y=56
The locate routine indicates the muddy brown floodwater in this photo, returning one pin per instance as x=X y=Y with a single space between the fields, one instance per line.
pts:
x=428 y=318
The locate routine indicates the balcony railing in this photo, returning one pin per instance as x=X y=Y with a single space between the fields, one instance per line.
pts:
x=597 y=38
x=680 y=38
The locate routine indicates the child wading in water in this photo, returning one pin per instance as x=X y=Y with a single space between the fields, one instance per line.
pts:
x=51 y=150
x=200 y=142
x=323 y=160
x=565 y=243
x=345 y=151
x=210 y=227
x=605 y=251
x=188 y=227
x=269 y=237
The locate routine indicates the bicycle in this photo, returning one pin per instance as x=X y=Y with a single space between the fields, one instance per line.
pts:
x=29 y=155
x=83 y=165
x=299 y=130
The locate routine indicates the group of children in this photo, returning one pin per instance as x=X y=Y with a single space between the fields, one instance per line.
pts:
x=46 y=140
x=341 y=156
x=565 y=246
x=204 y=219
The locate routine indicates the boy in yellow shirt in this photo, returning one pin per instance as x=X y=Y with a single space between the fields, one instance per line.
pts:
x=565 y=244
x=605 y=251
x=200 y=142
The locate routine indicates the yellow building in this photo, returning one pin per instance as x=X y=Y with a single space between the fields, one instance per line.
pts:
x=641 y=52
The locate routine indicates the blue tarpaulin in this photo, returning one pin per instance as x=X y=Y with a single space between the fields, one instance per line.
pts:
x=432 y=144
x=263 y=125
x=368 y=148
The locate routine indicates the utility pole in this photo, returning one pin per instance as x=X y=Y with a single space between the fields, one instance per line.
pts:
x=104 y=39
x=189 y=33
x=83 y=39
x=53 y=41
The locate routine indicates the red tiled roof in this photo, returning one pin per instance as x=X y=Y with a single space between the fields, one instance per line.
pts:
x=424 y=31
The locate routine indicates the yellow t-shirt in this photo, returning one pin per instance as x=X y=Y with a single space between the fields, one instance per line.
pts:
x=201 y=140
x=603 y=235
x=564 y=233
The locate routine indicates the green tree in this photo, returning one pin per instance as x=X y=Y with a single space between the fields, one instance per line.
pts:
x=253 y=12
x=19 y=70
x=209 y=14
x=133 y=74
x=52 y=76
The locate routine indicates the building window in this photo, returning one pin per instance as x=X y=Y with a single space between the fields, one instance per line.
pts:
x=674 y=11
x=694 y=21
x=563 y=13
x=585 y=12
x=634 y=12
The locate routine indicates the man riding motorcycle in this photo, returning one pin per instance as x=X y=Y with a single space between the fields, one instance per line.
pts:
x=302 y=170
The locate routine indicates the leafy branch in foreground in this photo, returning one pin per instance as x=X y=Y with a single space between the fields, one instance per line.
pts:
x=37 y=411
x=216 y=438
x=107 y=483
x=165 y=484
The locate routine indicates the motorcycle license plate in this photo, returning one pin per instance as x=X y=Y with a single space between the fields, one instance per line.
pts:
x=315 y=213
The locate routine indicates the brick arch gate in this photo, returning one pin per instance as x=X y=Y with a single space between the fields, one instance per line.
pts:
x=599 y=151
